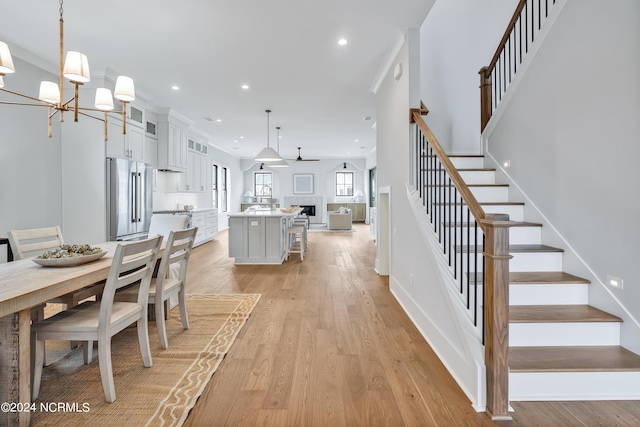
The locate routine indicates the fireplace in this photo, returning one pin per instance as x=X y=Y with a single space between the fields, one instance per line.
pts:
x=308 y=210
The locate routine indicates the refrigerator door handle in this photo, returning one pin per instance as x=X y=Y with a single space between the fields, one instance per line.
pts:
x=134 y=208
x=138 y=197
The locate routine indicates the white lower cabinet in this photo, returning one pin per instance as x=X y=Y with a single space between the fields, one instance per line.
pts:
x=207 y=222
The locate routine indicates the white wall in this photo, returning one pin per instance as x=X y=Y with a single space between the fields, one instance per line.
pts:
x=414 y=276
x=323 y=179
x=30 y=162
x=571 y=134
x=457 y=38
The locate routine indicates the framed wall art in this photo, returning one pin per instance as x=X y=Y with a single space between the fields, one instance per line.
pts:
x=303 y=183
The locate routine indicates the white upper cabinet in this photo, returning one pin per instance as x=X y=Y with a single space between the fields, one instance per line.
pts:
x=172 y=142
x=129 y=145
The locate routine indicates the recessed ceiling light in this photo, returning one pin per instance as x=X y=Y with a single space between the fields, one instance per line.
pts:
x=245 y=87
x=342 y=42
x=235 y=140
x=218 y=120
x=175 y=87
x=242 y=137
x=356 y=140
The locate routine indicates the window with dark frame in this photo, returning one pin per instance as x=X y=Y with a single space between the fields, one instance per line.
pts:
x=372 y=187
x=263 y=184
x=223 y=187
x=214 y=187
x=344 y=183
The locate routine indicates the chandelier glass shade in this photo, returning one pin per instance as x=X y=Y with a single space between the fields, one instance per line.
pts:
x=268 y=154
x=75 y=68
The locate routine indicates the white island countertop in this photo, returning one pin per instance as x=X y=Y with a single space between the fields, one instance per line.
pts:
x=265 y=212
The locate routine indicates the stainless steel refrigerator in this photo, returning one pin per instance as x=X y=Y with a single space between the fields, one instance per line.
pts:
x=129 y=199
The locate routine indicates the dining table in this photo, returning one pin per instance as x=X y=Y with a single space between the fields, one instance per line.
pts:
x=24 y=285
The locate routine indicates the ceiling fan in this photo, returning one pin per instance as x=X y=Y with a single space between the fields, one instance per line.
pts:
x=300 y=159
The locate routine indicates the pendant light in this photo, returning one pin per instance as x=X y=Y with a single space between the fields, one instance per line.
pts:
x=280 y=163
x=268 y=154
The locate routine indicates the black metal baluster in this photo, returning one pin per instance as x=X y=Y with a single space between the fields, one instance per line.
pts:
x=455 y=232
x=475 y=267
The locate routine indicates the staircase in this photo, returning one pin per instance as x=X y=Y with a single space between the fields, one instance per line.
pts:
x=560 y=348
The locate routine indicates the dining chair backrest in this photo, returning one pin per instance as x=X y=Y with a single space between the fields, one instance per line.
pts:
x=176 y=252
x=31 y=243
x=132 y=262
x=163 y=224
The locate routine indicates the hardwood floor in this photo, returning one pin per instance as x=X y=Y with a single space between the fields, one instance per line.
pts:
x=328 y=345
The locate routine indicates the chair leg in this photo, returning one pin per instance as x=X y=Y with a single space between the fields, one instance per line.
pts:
x=143 y=340
x=160 y=323
x=38 y=349
x=182 y=300
x=87 y=350
x=106 y=371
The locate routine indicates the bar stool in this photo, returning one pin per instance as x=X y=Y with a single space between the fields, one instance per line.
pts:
x=296 y=241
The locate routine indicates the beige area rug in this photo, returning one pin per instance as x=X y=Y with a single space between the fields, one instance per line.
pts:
x=158 y=396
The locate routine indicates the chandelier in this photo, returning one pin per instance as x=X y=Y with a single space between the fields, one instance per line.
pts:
x=76 y=69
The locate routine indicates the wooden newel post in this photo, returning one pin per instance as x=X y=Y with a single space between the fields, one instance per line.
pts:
x=485 y=97
x=496 y=314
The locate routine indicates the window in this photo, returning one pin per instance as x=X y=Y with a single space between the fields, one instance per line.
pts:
x=372 y=187
x=344 y=183
x=224 y=189
x=262 y=184
x=214 y=187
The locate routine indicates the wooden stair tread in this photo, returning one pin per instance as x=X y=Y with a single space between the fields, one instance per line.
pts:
x=541 y=278
x=558 y=314
x=469 y=185
x=544 y=277
x=573 y=359
x=482 y=204
x=515 y=224
x=533 y=248
x=465 y=155
x=517 y=248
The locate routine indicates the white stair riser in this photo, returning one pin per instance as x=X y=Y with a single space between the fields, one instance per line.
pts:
x=564 y=334
x=536 y=261
x=574 y=386
x=478 y=177
x=482 y=194
x=549 y=294
x=467 y=162
x=517 y=235
x=515 y=212
x=490 y=194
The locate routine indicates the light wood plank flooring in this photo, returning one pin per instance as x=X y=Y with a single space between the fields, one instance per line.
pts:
x=328 y=345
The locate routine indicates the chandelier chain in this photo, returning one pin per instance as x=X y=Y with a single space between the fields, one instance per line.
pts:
x=61 y=9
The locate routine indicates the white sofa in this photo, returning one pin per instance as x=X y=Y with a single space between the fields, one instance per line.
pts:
x=339 y=220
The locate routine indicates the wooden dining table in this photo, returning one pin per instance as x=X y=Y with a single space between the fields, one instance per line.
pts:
x=24 y=285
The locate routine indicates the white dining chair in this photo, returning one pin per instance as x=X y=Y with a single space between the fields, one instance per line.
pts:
x=33 y=242
x=100 y=320
x=165 y=286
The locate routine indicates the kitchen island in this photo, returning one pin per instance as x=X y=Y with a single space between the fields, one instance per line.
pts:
x=259 y=236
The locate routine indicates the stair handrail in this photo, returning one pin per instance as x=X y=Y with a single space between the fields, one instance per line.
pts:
x=495 y=280
x=458 y=182
x=494 y=81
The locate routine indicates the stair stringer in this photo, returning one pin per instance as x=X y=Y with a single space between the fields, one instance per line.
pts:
x=463 y=355
x=572 y=261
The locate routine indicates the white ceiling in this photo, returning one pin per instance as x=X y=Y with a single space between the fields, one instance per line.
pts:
x=285 y=50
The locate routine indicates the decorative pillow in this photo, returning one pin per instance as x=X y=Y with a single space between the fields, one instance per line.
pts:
x=342 y=210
